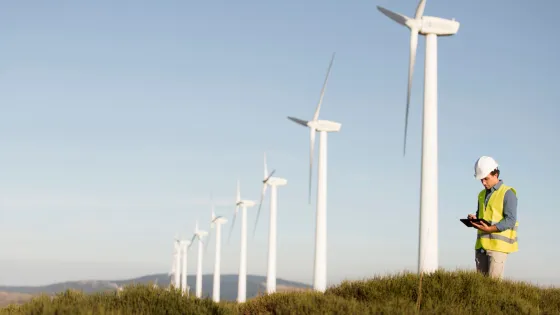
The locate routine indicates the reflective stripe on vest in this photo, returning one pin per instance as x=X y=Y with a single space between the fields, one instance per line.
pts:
x=493 y=212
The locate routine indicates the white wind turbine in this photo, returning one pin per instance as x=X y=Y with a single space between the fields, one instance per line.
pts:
x=199 y=235
x=184 y=244
x=155 y=285
x=217 y=221
x=323 y=126
x=117 y=287
x=175 y=265
x=431 y=27
x=242 y=282
x=273 y=182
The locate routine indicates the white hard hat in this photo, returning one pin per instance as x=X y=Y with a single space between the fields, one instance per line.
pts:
x=484 y=166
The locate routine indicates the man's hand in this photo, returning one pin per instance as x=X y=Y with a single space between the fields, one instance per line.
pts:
x=484 y=227
x=471 y=216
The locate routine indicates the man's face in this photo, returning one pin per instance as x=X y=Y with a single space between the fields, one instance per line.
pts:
x=489 y=181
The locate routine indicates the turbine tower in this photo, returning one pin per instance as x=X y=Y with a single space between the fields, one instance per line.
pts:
x=244 y=204
x=323 y=126
x=431 y=27
x=273 y=182
x=217 y=221
x=184 y=244
x=175 y=266
x=199 y=235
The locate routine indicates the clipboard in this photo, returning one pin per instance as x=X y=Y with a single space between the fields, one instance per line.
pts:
x=467 y=222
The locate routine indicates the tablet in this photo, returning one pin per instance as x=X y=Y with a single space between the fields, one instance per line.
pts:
x=467 y=222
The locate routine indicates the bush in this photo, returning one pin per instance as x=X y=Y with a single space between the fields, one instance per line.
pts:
x=442 y=293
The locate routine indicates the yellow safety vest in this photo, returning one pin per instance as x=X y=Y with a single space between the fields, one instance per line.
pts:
x=504 y=241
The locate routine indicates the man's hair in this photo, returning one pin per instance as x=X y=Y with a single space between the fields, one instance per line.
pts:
x=496 y=172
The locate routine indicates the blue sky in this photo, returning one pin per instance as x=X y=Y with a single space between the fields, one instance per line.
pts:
x=119 y=119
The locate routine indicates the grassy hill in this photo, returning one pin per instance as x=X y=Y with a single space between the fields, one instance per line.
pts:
x=442 y=293
x=255 y=284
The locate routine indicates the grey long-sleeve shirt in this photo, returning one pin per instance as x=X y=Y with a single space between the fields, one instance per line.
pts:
x=510 y=208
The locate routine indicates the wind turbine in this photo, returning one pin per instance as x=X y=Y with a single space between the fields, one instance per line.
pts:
x=217 y=221
x=185 y=244
x=199 y=235
x=175 y=269
x=242 y=282
x=323 y=126
x=273 y=182
x=117 y=287
x=431 y=27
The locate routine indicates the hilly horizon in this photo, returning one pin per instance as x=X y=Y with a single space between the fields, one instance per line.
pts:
x=255 y=284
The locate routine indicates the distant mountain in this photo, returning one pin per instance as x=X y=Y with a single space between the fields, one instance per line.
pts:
x=255 y=284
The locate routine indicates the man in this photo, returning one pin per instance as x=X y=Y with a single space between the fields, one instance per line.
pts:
x=497 y=204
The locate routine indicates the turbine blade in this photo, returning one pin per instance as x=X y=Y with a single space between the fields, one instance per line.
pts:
x=207 y=241
x=206 y=245
x=238 y=193
x=420 y=9
x=263 y=192
x=232 y=223
x=265 y=167
x=298 y=121
x=397 y=17
x=213 y=208
x=412 y=60
x=311 y=148
x=318 y=109
x=269 y=176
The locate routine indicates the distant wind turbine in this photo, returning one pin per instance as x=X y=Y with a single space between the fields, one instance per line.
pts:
x=323 y=126
x=184 y=249
x=217 y=221
x=175 y=266
x=244 y=204
x=117 y=287
x=273 y=182
x=431 y=27
x=199 y=235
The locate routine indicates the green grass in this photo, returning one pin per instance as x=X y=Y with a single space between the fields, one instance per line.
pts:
x=443 y=292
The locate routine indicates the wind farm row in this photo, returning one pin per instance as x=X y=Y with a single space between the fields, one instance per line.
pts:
x=431 y=28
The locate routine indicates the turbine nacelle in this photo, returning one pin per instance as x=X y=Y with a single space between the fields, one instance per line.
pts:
x=438 y=26
x=277 y=181
x=318 y=125
x=325 y=125
x=200 y=234
x=218 y=220
x=247 y=203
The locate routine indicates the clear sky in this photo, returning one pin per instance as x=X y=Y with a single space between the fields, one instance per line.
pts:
x=118 y=118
